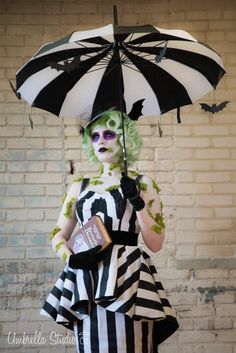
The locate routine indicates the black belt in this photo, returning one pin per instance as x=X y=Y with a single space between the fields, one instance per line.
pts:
x=124 y=238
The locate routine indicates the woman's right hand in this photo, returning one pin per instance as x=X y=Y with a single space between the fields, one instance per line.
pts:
x=85 y=260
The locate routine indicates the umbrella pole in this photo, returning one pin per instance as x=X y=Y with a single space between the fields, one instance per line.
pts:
x=115 y=21
x=123 y=146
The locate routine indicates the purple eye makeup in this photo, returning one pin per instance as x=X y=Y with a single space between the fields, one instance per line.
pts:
x=107 y=135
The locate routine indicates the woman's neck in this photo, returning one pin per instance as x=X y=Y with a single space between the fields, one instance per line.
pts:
x=110 y=169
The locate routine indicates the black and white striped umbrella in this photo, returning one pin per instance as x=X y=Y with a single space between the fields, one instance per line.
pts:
x=116 y=66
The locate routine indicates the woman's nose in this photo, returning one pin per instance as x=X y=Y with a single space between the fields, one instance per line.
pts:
x=101 y=140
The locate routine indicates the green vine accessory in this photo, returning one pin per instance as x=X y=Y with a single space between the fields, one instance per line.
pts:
x=112 y=187
x=133 y=173
x=157 y=217
x=78 y=180
x=155 y=186
x=64 y=256
x=95 y=181
x=59 y=245
x=54 y=232
x=101 y=169
x=112 y=166
x=143 y=186
x=63 y=198
x=68 y=213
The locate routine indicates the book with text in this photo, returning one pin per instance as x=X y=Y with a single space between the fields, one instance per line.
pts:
x=93 y=233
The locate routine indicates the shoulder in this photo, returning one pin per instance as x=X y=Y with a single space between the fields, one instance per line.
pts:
x=75 y=187
x=147 y=183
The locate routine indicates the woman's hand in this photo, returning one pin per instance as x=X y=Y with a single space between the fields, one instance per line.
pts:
x=85 y=260
x=130 y=192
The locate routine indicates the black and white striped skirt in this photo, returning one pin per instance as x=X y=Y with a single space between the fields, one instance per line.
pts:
x=109 y=332
x=121 y=303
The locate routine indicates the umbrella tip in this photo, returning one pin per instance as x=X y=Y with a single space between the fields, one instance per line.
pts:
x=115 y=15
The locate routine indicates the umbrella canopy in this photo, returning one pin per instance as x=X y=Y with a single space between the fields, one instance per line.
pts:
x=115 y=66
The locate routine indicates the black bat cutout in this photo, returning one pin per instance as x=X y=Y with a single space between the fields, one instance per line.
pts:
x=31 y=122
x=214 y=108
x=71 y=167
x=67 y=66
x=136 y=110
x=160 y=129
x=18 y=95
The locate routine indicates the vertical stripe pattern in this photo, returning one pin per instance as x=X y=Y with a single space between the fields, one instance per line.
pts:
x=107 y=332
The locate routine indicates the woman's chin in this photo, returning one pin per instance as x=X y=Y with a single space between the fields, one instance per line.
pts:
x=107 y=159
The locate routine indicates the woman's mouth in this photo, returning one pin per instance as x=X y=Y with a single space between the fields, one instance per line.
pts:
x=102 y=149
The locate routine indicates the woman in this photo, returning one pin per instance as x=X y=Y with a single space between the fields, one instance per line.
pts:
x=112 y=300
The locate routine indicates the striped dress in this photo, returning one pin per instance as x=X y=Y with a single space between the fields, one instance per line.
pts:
x=121 y=306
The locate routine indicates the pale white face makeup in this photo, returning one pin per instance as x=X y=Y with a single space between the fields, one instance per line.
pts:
x=105 y=144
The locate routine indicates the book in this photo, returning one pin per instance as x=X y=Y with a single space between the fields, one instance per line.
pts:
x=93 y=233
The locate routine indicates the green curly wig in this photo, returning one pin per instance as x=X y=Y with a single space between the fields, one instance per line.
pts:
x=112 y=120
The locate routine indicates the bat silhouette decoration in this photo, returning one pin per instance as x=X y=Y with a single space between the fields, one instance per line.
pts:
x=67 y=66
x=136 y=110
x=134 y=114
x=18 y=95
x=214 y=108
x=31 y=122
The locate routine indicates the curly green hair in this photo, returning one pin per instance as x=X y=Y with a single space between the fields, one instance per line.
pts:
x=112 y=120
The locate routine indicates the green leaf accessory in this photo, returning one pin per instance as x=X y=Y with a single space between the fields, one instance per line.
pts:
x=63 y=198
x=113 y=166
x=143 y=186
x=59 y=245
x=95 y=181
x=101 y=169
x=112 y=187
x=64 y=256
x=133 y=173
x=68 y=213
x=78 y=180
x=54 y=232
x=157 y=217
x=155 y=186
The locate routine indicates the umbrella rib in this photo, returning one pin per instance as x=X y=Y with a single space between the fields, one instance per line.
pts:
x=132 y=68
x=84 y=46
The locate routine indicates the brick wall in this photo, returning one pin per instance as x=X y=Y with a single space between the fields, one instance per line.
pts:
x=195 y=164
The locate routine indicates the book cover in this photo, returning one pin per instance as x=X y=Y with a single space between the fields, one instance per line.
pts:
x=93 y=233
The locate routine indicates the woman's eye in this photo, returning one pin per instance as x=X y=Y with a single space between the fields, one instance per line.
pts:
x=108 y=135
x=95 y=137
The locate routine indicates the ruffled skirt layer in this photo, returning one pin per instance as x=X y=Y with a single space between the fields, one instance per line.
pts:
x=125 y=282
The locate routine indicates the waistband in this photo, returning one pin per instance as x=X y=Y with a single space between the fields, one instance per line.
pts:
x=124 y=238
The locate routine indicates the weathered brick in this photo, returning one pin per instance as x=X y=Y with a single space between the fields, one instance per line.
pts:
x=213 y=177
x=214 y=251
x=197 y=336
x=214 y=348
x=43 y=178
x=227 y=336
x=222 y=323
x=24 y=214
x=192 y=142
x=214 y=225
x=227 y=310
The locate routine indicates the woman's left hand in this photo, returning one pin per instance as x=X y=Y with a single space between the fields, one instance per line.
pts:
x=130 y=192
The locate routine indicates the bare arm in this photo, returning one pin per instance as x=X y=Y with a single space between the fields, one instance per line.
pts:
x=65 y=224
x=150 y=217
